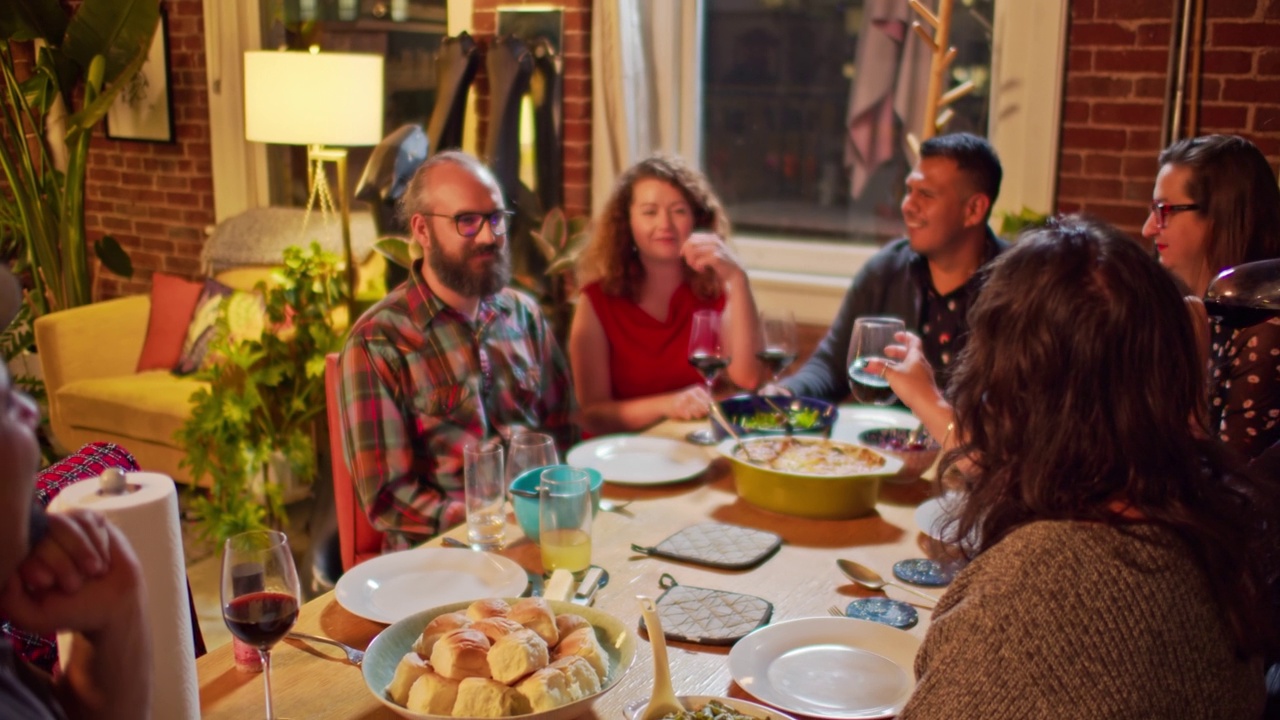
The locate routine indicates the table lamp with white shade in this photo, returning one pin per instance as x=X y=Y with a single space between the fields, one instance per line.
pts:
x=327 y=101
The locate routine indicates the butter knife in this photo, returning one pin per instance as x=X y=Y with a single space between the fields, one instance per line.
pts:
x=586 y=592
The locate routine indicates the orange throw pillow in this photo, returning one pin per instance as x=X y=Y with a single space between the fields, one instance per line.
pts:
x=173 y=301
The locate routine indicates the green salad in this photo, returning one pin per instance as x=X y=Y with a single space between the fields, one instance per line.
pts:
x=801 y=419
x=713 y=710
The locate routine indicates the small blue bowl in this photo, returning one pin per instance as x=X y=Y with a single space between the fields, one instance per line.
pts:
x=526 y=507
x=758 y=407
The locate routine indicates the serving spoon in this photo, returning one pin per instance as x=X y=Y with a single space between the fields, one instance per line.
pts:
x=718 y=412
x=871 y=580
x=663 y=701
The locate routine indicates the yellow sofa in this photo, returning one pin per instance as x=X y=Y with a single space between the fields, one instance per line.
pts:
x=89 y=357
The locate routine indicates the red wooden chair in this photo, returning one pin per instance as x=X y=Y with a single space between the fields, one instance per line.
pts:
x=356 y=537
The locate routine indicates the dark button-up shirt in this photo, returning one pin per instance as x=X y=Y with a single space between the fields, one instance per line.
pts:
x=895 y=282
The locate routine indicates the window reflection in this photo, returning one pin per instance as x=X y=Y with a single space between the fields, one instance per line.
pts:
x=808 y=103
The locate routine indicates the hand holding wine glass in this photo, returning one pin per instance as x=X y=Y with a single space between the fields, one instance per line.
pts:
x=707 y=354
x=870 y=337
x=260 y=593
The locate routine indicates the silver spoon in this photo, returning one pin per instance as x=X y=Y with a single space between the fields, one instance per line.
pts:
x=870 y=579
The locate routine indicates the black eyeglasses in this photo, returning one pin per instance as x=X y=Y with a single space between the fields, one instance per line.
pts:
x=1162 y=211
x=470 y=223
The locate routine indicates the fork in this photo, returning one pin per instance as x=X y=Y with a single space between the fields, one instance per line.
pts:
x=614 y=505
x=354 y=656
x=836 y=611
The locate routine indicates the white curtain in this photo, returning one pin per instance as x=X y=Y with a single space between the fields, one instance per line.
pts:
x=646 y=73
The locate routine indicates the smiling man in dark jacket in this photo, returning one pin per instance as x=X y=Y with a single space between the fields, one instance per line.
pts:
x=929 y=278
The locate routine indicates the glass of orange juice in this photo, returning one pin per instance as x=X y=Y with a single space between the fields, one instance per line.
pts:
x=564 y=519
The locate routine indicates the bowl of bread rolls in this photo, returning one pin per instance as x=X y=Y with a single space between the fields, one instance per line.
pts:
x=529 y=658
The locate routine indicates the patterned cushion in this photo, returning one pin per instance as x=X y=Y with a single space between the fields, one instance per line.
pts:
x=203 y=327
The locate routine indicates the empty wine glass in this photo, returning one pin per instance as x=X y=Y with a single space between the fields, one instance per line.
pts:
x=530 y=450
x=778 y=337
x=706 y=353
x=1246 y=294
x=870 y=336
x=260 y=597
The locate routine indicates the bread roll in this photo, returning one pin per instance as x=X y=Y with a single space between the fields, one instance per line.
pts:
x=546 y=689
x=461 y=654
x=491 y=607
x=410 y=668
x=583 y=643
x=582 y=678
x=517 y=654
x=438 y=626
x=433 y=694
x=536 y=614
x=495 y=628
x=567 y=623
x=482 y=697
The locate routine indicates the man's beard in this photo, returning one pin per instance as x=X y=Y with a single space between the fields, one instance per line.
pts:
x=457 y=275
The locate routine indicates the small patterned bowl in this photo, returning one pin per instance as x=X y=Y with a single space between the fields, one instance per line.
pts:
x=916 y=457
x=758 y=415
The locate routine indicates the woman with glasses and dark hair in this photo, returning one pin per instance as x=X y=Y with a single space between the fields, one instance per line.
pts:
x=658 y=254
x=1114 y=564
x=1216 y=205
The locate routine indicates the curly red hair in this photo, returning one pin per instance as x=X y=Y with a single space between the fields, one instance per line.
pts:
x=611 y=256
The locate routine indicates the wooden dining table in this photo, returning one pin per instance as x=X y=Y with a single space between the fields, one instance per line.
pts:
x=801 y=580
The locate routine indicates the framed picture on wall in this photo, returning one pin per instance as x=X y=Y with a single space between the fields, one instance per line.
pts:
x=144 y=108
x=529 y=22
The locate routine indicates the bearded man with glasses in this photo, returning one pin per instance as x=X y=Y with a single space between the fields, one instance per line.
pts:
x=449 y=358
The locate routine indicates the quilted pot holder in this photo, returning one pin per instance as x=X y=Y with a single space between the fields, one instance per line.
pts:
x=708 y=617
x=717 y=545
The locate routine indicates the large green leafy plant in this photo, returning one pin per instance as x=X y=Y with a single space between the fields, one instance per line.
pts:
x=87 y=56
x=266 y=389
x=560 y=242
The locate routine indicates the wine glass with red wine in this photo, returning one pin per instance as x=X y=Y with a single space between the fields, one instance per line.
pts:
x=706 y=354
x=870 y=336
x=260 y=597
x=1245 y=295
x=778 y=335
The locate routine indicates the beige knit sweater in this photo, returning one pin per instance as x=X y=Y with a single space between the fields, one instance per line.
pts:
x=1077 y=620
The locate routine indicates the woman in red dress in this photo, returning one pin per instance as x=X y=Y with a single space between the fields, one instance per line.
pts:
x=658 y=254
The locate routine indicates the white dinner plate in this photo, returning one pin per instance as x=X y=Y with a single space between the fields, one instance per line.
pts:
x=640 y=460
x=853 y=419
x=828 y=667
x=391 y=587
x=932 y=514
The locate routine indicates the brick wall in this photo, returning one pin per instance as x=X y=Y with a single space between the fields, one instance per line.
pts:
x=1117 y=63
x=156 y=199
x=577 y=92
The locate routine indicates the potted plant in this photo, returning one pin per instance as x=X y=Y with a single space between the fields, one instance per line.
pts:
x=253 y=428
x=90 y=54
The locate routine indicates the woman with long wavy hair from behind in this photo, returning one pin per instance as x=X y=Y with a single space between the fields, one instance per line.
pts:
x=1112 y=571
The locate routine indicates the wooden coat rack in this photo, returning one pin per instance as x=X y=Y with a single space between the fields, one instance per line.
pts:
x=936 y=111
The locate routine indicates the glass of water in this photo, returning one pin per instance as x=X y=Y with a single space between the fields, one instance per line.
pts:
x=484 y=485
x=870 y=337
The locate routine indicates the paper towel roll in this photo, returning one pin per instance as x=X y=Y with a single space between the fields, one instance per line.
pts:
x=147 y=514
